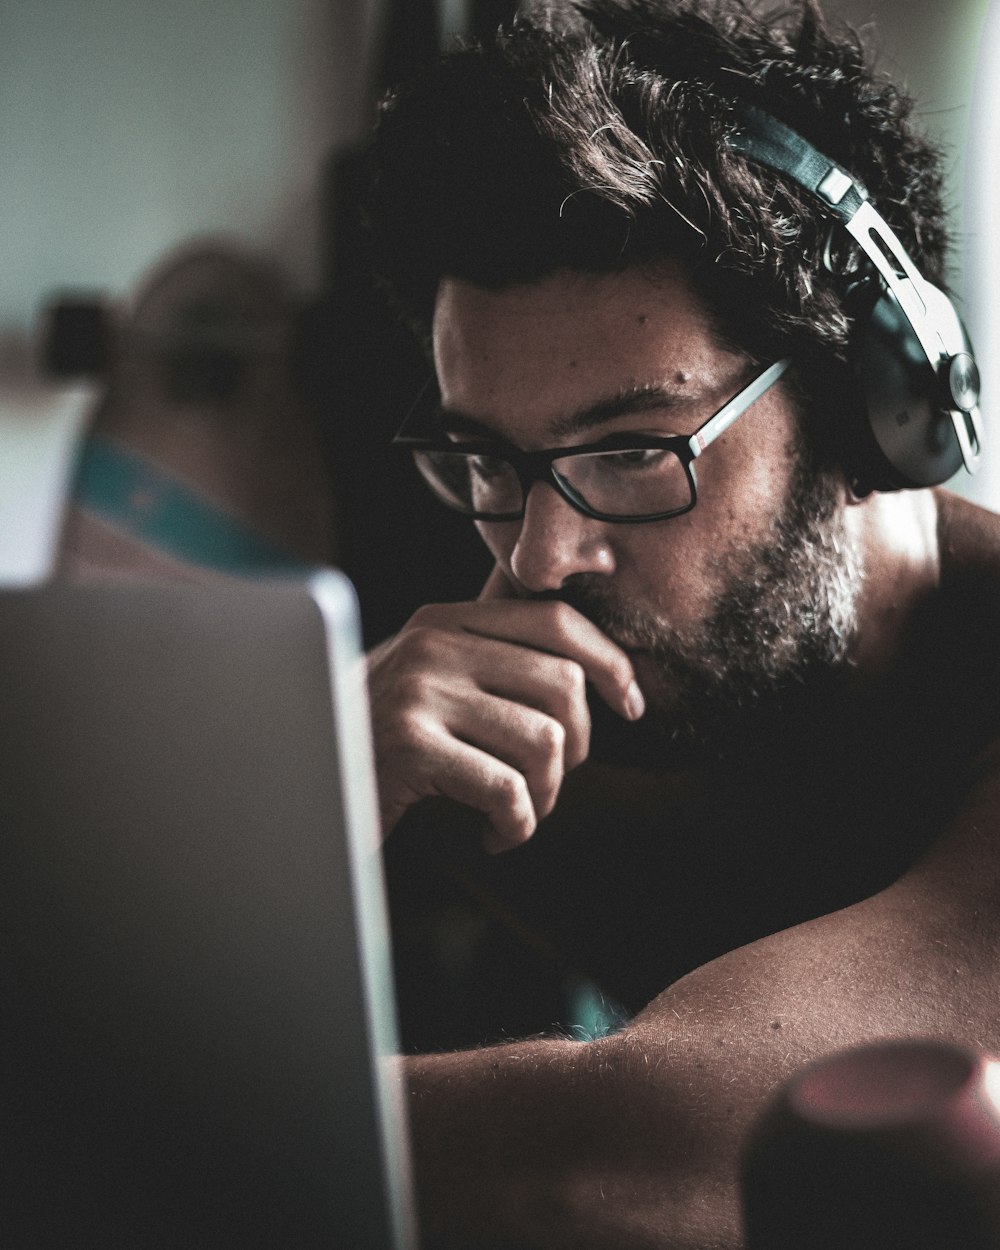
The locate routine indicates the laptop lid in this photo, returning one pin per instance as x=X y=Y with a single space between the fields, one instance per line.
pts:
x=197 y=1014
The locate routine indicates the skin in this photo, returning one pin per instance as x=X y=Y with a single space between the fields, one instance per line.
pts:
x=633 y=1140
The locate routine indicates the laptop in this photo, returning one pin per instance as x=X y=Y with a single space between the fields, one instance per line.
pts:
x=196 y=1016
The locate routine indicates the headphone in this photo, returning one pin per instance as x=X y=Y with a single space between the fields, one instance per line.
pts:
x=918 y=383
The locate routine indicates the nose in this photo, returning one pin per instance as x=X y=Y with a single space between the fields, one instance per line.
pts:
x=555 y=541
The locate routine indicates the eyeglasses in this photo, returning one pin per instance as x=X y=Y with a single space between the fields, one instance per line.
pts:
x=625 y=478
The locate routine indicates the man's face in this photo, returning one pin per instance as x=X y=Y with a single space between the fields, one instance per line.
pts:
x=741 y=595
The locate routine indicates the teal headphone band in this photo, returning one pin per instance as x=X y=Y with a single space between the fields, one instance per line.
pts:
x=918 y=382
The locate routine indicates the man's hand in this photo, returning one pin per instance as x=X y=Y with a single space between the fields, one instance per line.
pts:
x=485 y=703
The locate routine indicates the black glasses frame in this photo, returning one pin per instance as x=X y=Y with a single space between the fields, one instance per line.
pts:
x=536 y=466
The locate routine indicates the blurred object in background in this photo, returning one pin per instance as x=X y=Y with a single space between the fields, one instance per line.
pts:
x=202 y=458
x=886 y=1146
x=41 y=428
x=77 y=338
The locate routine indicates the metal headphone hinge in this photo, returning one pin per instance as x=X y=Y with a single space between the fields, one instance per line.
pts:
x=968 y=427
x=879 y=243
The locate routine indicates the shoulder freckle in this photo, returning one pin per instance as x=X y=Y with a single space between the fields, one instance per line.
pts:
x=642 y=318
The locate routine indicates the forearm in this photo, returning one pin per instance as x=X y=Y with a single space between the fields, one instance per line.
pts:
x=547 y=1144
x=486 y=1150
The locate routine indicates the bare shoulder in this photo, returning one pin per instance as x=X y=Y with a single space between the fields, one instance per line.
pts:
x=957 y=649
x=969 y=537
x=969 y=543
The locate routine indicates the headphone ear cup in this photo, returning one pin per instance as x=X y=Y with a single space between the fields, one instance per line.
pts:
x=906 y=438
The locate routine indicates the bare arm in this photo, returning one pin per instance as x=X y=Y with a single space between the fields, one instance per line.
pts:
x=631 y=1142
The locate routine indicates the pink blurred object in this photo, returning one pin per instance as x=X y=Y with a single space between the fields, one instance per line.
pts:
x=893 y=1144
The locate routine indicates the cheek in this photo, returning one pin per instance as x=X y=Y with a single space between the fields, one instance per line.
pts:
x=663 y=569
x=740 y=497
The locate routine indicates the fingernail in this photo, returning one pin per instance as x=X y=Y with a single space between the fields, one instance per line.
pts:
x=635 y=704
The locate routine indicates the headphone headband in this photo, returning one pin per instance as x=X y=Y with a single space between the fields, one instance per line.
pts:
x=766 y=141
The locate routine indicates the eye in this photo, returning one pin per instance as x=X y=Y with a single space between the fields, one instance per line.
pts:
x=636 y=458
x=487 y=467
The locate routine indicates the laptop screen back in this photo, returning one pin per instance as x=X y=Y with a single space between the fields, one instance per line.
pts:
x=196 y=1003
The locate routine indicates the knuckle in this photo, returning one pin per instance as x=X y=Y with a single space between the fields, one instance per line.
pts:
x=509 y=791
x=565 y=621
x=550 y=736
x=428 y=614
x=411 y=693
x=411 y=724
x=572 y=678
x=421 y=644
x=562 y=613
x=408 y=736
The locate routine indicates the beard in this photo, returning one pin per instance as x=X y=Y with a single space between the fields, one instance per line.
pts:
x=778 y=635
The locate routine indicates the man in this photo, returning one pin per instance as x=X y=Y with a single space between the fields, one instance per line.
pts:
x=738 y=740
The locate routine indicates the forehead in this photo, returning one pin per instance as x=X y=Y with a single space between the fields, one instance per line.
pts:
x=523 y=358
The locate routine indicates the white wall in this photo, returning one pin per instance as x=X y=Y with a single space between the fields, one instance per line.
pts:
x=128 y=125
x=982 y=186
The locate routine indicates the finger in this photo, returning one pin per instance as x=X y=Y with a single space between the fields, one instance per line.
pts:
x=440 y=669
x=481 y=781
x=510 y=671
x=526 y=739
x=547 y=684
x=447 y=767
x=558 y=629
x=420 y=746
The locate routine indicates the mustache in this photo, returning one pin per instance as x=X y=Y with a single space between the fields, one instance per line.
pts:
x=585 y=594
x=592 y=598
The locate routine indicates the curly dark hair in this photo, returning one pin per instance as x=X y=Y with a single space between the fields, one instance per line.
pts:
x=595 y=138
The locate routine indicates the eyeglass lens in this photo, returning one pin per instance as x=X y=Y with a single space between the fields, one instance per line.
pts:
x=618 y=482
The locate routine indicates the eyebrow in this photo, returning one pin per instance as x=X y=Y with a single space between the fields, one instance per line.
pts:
x=633 y=400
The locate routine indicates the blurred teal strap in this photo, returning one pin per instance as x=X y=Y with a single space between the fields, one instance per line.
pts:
x=591 y=1013
x=138 y=498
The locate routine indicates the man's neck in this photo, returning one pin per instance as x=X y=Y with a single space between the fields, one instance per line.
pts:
x=897 y=535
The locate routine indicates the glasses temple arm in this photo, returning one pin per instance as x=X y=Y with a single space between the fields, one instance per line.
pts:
x=727 y=414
